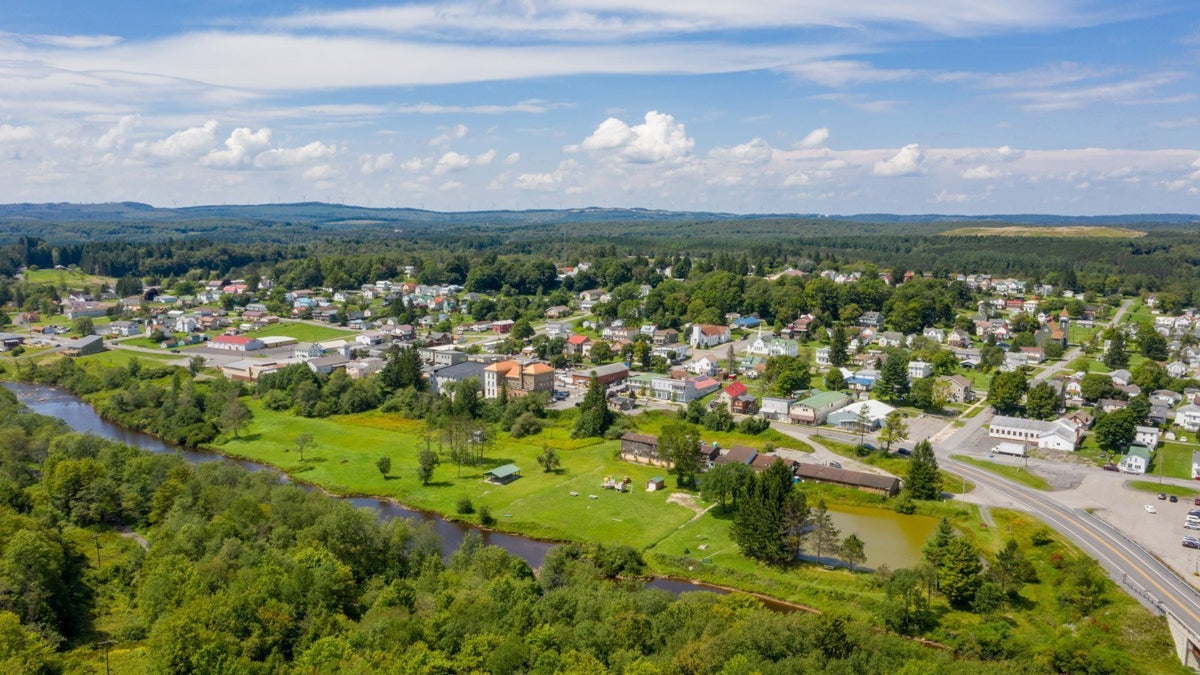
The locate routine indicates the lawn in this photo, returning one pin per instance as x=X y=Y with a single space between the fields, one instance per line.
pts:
x=343 y=457
x=1175 y=460
x=70 y=278
x=1014 y=473
x=304 y=332
x=1165 y=488
x=895 y=465
x=652 y=421
x=117 y=357
x=974 y=410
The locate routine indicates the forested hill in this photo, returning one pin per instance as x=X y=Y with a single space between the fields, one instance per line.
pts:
x=294 y=223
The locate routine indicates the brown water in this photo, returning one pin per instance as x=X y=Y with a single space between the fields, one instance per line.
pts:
x=891 y=538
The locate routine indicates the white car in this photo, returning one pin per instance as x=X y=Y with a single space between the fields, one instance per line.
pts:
x=1192 y=525
x=1150 y=509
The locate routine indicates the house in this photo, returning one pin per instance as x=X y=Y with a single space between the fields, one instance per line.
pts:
x=776 y=408
x=867 y=482
x=890 y=338
x=918 y=370
x=325 y=365
x=958 y=388
x=703 y=366
x=706 y=336
x=935 y=334
x=558 y=312
x=361 y=368
x=607 y=374
x=643 y=449
x=1121 y=377
x=1060 y=434
x=235 y=343
x=1033 y=354
x=746 y=404
x=852 y=416
x=664 y=336
x=816 y=408
x=731 y=392
x=124 y=328
x=443 y=376
x=870 y=319
x=576 y=344
x=89 y=344
x=1178 y=369
x=738 y=454
x=1147 y=436
x=1188 y=417
x=1136 y=460
x=10 y=341
x=822 y=354
x=958 y=339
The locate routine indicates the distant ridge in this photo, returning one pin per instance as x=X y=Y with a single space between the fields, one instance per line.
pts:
x=321 y=212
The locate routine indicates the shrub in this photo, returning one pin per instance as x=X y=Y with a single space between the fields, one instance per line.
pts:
x=464 y=506
x=904 y=505
x=1042 y=537
x=525 y=425
x=485 y=517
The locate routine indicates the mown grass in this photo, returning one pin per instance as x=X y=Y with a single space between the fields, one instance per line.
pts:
x=71 y=278
x=1014 y=473
x=1164 y=488
x=304 y=332
x=1173 y=460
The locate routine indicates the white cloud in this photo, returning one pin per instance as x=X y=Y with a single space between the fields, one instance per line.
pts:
x=552 y=181
x=241 y=146
x=815 y=138
x=659 y=139
x=284 y=157
x=982 y=172
x=947 y=197
x=454 y=133
x=512 y=158
x=9 y=133
x=450 y=185
x=191 y=142
x=752 y=153
x=906 y=162
x=74 y=41
x=485 y=158
x=415 y=164
x=451 y=161
x=369 y=164
x=318 y=172
x=116 y=135
x=840 y=73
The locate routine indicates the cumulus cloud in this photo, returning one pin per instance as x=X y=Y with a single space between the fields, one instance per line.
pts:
x=947 y=197
x=116 y=135
x=318 y=172
x=191 y=142
x=454 y=133
x=545 y=182
x=370 y=164
x=659 y=139
x=450 y=185
x=241 y=146
x=512 y=158
x=752 y=153
x=815 y=138
x=9 y=133
x=906 y=162
x=415 y=164
x=484 y=159
x=284 y=157
x=982 y=172
x=451 y=161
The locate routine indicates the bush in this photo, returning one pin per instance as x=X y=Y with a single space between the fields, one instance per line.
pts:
x=904 y=505
x=464 y=506
x=277 y=400
x=485 y=517
x=753 y=425
x=1042 y=537
x=525 y=425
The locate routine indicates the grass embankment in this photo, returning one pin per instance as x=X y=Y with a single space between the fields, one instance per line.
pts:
x=304 y=332
x=1165 y=488
x=1014 y=473
x=893 y=464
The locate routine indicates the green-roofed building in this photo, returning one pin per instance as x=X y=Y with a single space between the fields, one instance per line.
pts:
x=814 y=409
x=502 y=475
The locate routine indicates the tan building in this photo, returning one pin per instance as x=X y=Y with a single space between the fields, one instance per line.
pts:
x=517 y=379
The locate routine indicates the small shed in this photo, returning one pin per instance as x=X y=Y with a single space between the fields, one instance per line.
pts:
x=655 y=484
x=502 y=475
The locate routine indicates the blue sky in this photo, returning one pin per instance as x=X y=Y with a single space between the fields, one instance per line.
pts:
x=809 y=106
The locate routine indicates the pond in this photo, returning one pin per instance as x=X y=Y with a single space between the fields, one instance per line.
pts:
x=891 y=538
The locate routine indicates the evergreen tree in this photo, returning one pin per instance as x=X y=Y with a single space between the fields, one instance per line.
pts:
x=893 y=377
x=837 y=347
x=823 y=533
x=924 y=481
x=1116 y=356
x=760 y=526
x=403 y=369
x=852 y=551
x=960 y=572
x=594 y=416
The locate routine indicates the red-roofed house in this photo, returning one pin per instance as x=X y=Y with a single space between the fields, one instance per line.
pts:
x=733 y=391
x=235 y=343
x=577 y=344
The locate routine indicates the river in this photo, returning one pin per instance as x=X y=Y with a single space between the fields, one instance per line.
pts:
x=892 y=539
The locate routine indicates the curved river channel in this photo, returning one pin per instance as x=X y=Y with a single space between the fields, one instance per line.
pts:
x=892 y=539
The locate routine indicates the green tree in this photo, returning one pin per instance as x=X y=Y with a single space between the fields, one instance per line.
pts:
x=760 y=525
x=837 y=347
x=924 y=480
x=303 y=442
x=1012 y=570
x=549 y=460
x=522 y=329
x=680 y=445
x=893 y=377
x=1006 y=390
x=235 y=415
x=960 y=572
x=1116 y=356
x=427 y=461
x=921 y=393
x=724 y=482
x=1151 y=343
x=1095 y=386
x=594 y=416
x=894 y=430
x=935 y=547
x=83 y=326
x=1115 y=430
x=403 y=369
x=823 y=534
x=384 y=464
x=601 y=352
x=834 y=380
x=906 y=609
x=1041 y=403
x=853 y=551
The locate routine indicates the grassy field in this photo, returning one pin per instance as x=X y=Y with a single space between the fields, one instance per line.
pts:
x=1029 y=231
x=1175 y=460
x=304 y=332
x=1014 y=473
x=71 y=278
x=1165 y=488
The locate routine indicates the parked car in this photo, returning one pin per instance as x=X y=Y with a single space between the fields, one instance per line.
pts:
x=1111 y=467
x=1150 y=509
x=836 y=465
x=1196 y=501
x=868 y=446
x=1162 y=495
x=1192 y=525
x=1191 y=542
x=1173 y=499
x=903 y=451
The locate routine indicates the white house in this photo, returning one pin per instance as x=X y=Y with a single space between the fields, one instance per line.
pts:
x=775 y=408
x=1060 y=434
x=1147 y=436
x=876 y=412
x=1177 y=369
x=823 y=357
x=1188 y=417
x=1136 y=460
x=1195 y=464
x=185 y=324
x=918 y=370
x=702 y=366
x=705 y=336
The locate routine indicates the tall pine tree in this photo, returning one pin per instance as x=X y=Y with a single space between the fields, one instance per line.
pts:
x=924 y=481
